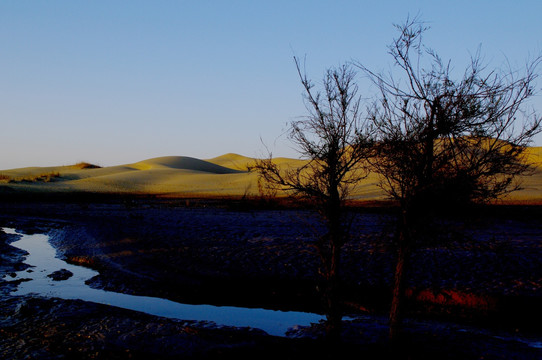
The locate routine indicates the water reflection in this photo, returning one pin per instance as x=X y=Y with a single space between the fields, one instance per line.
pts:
x=42 y=258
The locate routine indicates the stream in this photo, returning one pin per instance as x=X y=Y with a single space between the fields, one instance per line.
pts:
x=44 y=262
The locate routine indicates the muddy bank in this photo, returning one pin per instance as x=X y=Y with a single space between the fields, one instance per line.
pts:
x=208 y=253
x=200 y=252
x=56 y=329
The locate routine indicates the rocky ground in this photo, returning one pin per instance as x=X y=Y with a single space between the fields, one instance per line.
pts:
x=471 y=298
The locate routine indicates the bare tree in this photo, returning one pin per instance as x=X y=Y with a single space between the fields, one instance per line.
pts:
x=335 y=145
x=446 y=142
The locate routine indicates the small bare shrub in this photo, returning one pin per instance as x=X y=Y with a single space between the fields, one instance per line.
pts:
x=44 y=177
x=85 y=165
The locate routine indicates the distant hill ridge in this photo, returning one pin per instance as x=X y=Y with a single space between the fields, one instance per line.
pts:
x=184 y=163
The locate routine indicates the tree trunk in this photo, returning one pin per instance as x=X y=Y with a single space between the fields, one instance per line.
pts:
x=334 y=312
x=398 y=295
x=333 y=258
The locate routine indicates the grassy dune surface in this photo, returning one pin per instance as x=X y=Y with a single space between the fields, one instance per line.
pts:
x=225 y=175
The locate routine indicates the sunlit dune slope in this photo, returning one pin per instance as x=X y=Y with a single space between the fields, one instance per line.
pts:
x=531 y=185
x=170 y=175
x=225 y=175
x=233 y=161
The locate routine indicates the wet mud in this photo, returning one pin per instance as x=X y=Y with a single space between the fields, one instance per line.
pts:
x=487 y=275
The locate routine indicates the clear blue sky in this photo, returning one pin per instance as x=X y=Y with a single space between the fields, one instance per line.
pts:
x=114 y=82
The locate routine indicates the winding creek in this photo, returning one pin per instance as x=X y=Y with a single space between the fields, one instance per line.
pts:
x=43 y=261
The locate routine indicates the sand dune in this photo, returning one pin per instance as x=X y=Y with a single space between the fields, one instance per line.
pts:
x=184 y=163
x=169 y=175
x=233 y=161
x=225 y=175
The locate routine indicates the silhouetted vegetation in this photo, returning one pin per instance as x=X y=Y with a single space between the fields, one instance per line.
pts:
x=43 y=177
x=440 y=142
x=334 y=141
x=85 y=165
x=446 y=142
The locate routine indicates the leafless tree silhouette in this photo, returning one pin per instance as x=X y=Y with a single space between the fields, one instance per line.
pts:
x=335 y=143
x=445 y=142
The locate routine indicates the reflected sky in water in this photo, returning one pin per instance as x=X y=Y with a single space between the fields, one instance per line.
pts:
x=42 y=258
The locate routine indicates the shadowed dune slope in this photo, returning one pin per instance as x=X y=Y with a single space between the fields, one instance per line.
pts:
x=183 y=163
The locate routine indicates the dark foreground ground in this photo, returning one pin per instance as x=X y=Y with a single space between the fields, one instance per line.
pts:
x=476 y=297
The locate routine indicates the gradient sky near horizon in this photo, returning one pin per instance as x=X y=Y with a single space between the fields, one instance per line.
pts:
x=115 y=82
